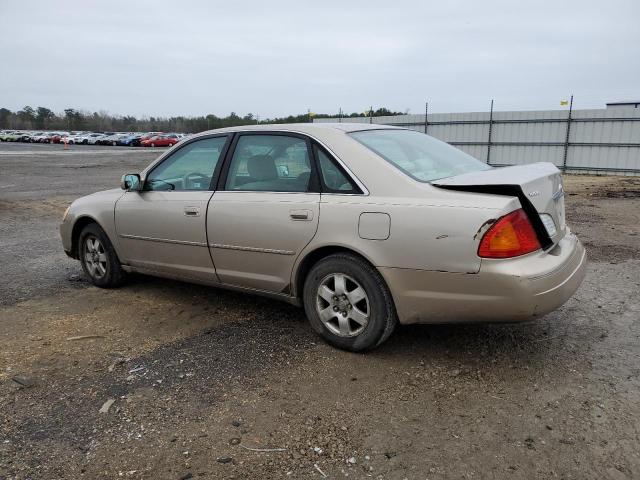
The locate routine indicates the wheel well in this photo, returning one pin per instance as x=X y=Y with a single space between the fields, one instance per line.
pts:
x=75 y=233
x=314 y=257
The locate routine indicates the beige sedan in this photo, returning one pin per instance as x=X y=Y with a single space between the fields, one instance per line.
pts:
x=365 y=226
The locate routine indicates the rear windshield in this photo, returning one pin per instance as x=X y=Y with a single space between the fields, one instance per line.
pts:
x=418 y=155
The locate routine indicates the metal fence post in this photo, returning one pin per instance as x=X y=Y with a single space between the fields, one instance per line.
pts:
x=426 y=113
x=566 y=140
x=490 y=129
x=371 y=114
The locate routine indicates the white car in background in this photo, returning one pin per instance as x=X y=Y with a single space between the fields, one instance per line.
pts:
x=71 y=138
x=89 y=138
x=38 y=137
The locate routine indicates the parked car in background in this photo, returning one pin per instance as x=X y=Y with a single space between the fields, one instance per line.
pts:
x=168 y=140
x=107 y=138
x=92 y=138
x=70 y=138
x=133 y=139
x=148 y=135
x=23 y=137
x=32 y=137
x=51 y=137
x=363 y=225
x=136 y=141
x=40 y=137
x=9 y=136
x=128 y=140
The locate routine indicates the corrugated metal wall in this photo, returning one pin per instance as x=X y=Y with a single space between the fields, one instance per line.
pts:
x=605 y=141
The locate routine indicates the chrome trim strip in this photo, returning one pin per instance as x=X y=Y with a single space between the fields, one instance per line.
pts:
x=164 y=240
x=252 y=249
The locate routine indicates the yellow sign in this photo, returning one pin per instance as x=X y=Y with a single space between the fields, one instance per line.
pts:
x=564 y=102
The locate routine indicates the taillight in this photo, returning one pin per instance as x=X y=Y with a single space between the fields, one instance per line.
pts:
x=511 y=236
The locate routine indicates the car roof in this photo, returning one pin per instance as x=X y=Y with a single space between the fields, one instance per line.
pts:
x=309 y=128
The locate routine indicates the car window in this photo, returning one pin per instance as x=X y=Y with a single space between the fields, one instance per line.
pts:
x=333 y=178
x=189 y=168
x=269 y=163
x=420 y=156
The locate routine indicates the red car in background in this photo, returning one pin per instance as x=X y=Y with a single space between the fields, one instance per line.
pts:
x=161 y=141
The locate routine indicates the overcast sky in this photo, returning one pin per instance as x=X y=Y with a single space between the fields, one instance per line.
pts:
x=280 y=57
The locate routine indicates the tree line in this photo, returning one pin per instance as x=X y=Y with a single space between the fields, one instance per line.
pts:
x=42 y=118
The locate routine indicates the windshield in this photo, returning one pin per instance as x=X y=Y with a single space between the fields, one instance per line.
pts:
x=418 y=155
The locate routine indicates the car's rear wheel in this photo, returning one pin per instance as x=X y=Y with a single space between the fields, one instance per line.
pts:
x=153 y=144
x=348 y=303
x=98 y=258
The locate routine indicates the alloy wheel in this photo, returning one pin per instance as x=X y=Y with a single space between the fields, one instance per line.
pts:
x=342 y=305
x=95 y=258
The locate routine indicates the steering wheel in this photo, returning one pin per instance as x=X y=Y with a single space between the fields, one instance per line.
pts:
x=191 y=177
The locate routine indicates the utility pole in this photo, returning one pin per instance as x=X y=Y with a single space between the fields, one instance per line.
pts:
x=426 y=113
x=566 y=140
x=490 y=128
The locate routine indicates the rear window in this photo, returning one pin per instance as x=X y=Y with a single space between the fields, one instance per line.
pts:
x=420 y=156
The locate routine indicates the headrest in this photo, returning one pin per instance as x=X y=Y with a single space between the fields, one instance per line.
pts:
x=262 y=167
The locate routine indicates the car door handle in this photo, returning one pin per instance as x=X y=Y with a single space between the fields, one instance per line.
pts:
x=301 y=215
x=192 y=211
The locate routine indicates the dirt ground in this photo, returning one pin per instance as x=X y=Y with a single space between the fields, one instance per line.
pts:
x=203 y=383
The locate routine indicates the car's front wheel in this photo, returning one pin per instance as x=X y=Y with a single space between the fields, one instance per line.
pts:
x=99 y=260
x=348 y=303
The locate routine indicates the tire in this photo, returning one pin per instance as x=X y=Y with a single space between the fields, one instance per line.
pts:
x=99 y=260
x=370 y=318
x=170 y=145
x=85 y=142
x=153 y=145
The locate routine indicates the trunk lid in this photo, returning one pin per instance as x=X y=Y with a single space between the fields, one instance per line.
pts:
x=537 y=185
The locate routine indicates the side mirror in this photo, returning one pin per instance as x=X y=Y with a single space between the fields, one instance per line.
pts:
x=131 y=182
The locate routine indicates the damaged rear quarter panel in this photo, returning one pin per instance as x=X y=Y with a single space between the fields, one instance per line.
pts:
x=426 y=234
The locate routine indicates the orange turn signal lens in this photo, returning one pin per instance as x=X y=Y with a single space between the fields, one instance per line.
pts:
x=511 y=236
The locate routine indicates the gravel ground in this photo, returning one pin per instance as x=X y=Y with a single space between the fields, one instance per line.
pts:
x=197 y=382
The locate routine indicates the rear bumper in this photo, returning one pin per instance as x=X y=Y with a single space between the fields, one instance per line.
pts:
x=502 y=291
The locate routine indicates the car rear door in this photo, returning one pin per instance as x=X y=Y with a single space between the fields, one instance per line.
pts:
x=163 y=227
x=265 y=210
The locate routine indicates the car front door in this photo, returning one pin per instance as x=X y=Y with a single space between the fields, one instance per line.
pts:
x=264 y=212
x=162 y=228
